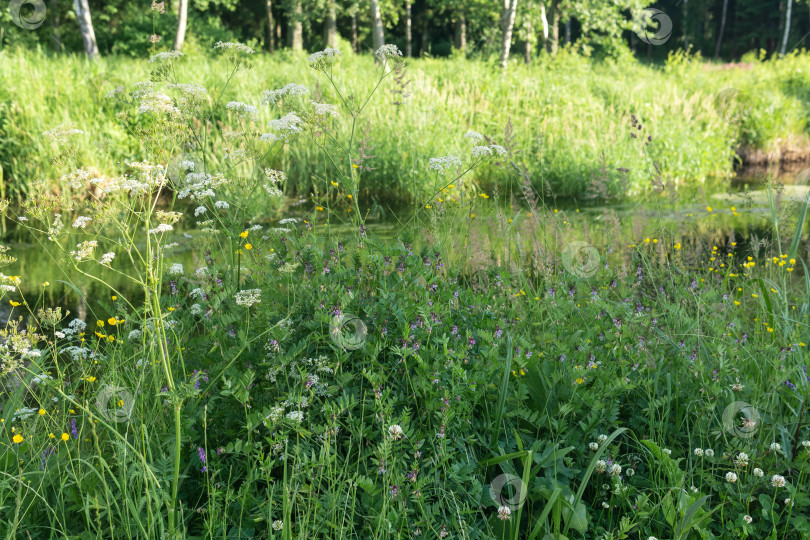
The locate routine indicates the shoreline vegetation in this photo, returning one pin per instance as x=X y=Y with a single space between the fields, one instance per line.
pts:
x=569 y=115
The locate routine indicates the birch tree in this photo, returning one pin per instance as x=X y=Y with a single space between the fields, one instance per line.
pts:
x=82 y=9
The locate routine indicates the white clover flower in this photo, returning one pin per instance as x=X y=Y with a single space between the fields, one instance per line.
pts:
x=162 y=228
x=481 y=151
x=388 y=50
x=166 y=55
x=667 y=451
x=601 y=466
x=444 y=163
x=731 y=477
x=652 y=538
x=176 y=269
x=778 y=481
x=272 y=97
x=776 y=447
x=243 y=110
x=605 y=505
x=699 y=452
x=694 y=489
x=231 y=46
x=615 y=469
x=601 y=439
x=81 y=222
x=248 y=298
x=759 y=473
x=788 y=502
x=395 y=432
x=593 y=446
x=741 y=459
x=278 y=525
x=748 y=519
x=107 y=258
x=806 y=444
x=504 y=513
x=221 y=205
x=709 y=452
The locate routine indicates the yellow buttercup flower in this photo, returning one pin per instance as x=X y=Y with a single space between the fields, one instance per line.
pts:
x=243 y=234
x=65 y=437
x=484 y=195
x=112 y=321
x=319 y=208
x=42 y=412
x=248 y=246
x=17 y=438
x=13 y=303
x=334 y=184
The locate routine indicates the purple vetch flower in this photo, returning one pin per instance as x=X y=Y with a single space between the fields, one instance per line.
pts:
x=471 y=342
x=201 y=455
x=45 y=455
x=790 y=385
x=336 y=311
x=498 y=332
x=412 y=475
x=73 y=429
x=394 y=491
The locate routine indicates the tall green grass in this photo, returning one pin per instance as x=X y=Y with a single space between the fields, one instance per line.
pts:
x=570 y=117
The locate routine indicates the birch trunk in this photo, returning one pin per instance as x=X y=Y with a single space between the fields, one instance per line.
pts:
x=182 y=17
x=787 y=26
x=330 y=26
x=271 y=26
x=295 y=28
x=408 y=24
x=378 y=39
x=507 y=26
x=722 y=29
x=82 y=9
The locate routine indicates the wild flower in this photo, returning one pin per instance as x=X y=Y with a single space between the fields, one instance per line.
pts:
x=243 y=110
x=221 y=205
x=323 y=109
x=201 y=455
x=283 y=128
x=296 y=416
x=176 y=269
x=741 y=460
x=395 y=432
x=474 y=136
x=164 y=56
x=162 y=228
x=248 y=298
x=601 y=439
x=232 y=46
x=699 y=452
x=324 y=59
x=481 y=151
x=775 y=447
x=759 y=473
x=82 y=222
x=748 y=519
x=278 y=525
x=731 y=477
x=272 y=97
x=778 y=481
x=388 y=51
x=107 y=258
x=601 y=466
x=615 y=469
x=504 y=513
x=709 y=452
x=84 y=250
x=442 y=164
x=158 y=103
x=199 y=211
x=61 y=134
x=593 y=446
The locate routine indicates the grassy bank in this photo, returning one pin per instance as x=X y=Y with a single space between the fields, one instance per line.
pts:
x=571 y=117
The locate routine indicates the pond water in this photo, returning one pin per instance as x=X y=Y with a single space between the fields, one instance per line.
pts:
x=739 y=221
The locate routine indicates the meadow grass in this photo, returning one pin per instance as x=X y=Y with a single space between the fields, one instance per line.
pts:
x=570 y=116
x=498 y=369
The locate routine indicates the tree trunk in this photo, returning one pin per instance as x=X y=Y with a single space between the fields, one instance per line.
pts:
x=182 y=17
x=295 y=28
x=554 y=41
x=787 y=26
x=722 y=29
x=56 y=36
x=507 y=25
x=425 y=37
x=82 y=9
x=271 y=26
x=544 y=21
x=460 y=41
x=408 y=23
x=378 y=39
x=354 y=31
x=568 y=30
x=527 y=53
x=330 y=26
x=686 y=24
